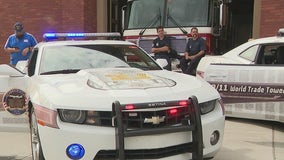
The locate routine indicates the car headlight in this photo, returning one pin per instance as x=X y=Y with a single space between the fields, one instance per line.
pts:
x=72 y=116
x=84 y=117
x=207 y=107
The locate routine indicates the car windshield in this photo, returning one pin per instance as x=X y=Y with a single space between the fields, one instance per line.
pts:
x=72 y=58
x=158 y=12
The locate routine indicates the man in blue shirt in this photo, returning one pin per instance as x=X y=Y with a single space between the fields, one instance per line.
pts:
x=20 y=44
x=195 y=50
x=161 y=49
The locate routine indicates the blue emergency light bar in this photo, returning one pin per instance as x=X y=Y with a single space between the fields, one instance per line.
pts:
x=52 y=36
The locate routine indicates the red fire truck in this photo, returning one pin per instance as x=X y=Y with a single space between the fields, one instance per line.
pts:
x=141 y=17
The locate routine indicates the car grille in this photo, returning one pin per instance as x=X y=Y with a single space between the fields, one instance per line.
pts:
x=139 y=119
x=154 y=119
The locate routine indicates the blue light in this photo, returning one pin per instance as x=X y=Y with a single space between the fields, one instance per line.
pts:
x=63 y=35
x=54 y=36
x=50 y=35
x=75 y=151
x=75 y=35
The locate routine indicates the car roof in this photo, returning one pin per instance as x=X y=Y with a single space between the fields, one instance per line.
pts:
x=84 y=42
x=266 y=40
x=244 y=46
x=274 y=39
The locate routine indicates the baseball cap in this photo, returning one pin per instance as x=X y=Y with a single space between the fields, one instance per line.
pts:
x=18 y=27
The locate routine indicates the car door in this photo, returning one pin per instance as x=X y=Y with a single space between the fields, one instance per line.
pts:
x=14 y=101
x=254 y=90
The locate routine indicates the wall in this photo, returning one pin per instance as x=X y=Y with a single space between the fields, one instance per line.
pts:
x=40 y=17
x=256 y=19
x=272 y=17
x=101 y=16
x=91 y=16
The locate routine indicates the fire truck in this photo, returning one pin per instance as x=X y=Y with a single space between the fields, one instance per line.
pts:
x=141 y=17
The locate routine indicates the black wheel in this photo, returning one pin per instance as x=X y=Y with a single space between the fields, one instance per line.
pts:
x=35 y=141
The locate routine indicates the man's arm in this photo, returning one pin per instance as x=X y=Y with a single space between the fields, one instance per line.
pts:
x=202 y=48
x=165 y=48
x=33 y=42
x=199 y=54
x=162 y=49
x=186 y=55
x=26 y=51
x=187 y=50
x=11 y=50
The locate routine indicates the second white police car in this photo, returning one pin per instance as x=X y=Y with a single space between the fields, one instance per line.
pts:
x=107 y=99
x=250 y=78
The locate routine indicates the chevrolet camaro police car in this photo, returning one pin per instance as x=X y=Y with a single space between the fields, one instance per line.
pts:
x=107 y=99
x=250 y=78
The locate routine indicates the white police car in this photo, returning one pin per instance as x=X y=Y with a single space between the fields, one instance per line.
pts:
x=250 y=78
x=107 y=99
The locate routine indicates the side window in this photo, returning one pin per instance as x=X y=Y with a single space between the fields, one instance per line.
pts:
x=250 y=54
x=32 y=62
x=271 y=54
x=280 y=55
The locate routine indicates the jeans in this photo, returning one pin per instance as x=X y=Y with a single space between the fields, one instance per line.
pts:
x=189 y=66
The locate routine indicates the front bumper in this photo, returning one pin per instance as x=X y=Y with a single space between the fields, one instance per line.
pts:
x=107 y=142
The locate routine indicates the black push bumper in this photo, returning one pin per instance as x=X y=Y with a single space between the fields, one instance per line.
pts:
x=195 y=147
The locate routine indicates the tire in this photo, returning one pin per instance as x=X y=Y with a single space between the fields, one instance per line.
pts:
x=35 y=140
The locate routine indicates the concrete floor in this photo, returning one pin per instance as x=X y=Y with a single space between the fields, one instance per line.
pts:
x=243 y=140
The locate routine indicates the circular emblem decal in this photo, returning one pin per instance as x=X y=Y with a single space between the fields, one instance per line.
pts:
x=15 y=101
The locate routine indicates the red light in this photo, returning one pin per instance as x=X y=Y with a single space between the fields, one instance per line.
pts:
x=183 y=103
x=173 y=111
x=129 y=107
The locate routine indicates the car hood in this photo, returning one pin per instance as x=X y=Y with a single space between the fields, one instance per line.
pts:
x=121 y=79
x=98 y=88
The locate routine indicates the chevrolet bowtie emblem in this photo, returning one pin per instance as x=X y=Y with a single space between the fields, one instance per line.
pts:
x=155 y=120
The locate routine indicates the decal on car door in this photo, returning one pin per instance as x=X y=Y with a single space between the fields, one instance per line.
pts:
x=249 y=91
x=15 y=101
x=233 y=92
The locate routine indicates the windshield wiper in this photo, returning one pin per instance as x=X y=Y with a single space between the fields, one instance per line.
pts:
x=175 y=22
x=64 y=71
x=153 y=21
